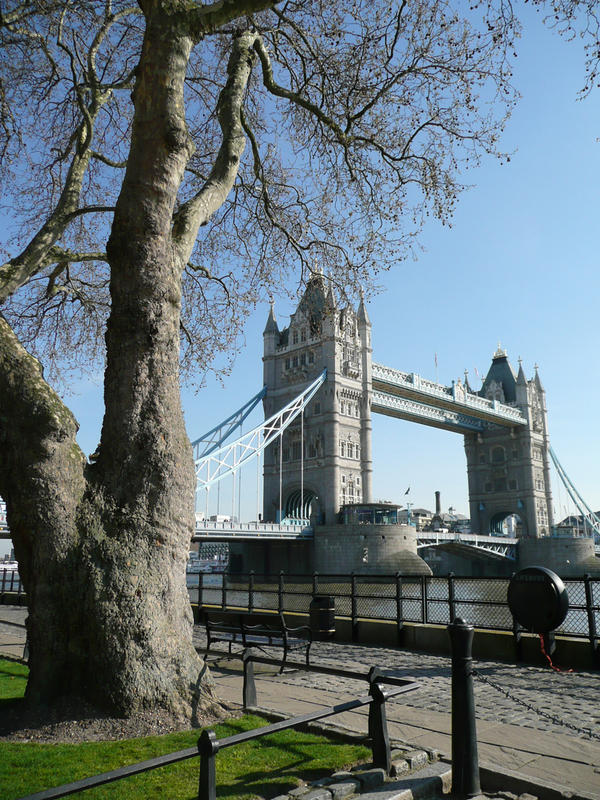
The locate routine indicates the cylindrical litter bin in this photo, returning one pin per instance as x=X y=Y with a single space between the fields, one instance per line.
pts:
x=322 y=617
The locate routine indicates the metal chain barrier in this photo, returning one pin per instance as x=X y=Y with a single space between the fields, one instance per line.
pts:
x=538 y=711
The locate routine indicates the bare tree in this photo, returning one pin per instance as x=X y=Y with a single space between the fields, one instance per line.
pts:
x=175 y=162
x=577 y=19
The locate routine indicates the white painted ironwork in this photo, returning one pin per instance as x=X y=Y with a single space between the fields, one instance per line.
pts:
x=438 y=396
x=501 y=545
x=229 y=458
x=4 y=532
x=215 y=438
x=288 y=529
x=404 y=408
x=589 y=516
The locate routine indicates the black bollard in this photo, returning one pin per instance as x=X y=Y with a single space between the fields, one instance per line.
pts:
x=465 y=762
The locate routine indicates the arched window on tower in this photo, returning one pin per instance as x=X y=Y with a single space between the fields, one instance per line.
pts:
x=498 y=454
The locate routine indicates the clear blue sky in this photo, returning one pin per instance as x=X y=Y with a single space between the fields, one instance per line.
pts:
x=519 y=266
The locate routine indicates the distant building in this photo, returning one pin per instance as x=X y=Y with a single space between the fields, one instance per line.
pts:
x=421 y=518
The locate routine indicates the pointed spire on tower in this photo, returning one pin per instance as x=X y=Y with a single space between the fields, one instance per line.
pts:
x=363 y=317
x=521 y=379
x=500 y=352
x=467 y=384
x=271 y=326
x=331 y=301
x=536 y=378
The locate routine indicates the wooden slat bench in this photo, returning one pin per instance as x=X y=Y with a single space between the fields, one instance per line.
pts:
x=233 y=628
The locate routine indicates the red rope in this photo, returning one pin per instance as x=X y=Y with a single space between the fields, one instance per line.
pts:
x=554 y=667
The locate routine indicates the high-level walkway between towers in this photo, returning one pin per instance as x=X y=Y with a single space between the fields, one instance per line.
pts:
x=408 y=396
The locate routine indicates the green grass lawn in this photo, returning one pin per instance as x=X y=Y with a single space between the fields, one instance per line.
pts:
x=268 y=767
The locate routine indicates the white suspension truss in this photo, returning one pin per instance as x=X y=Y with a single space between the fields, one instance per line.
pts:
x=590 y=518
x=217 y=464
x=216 y=437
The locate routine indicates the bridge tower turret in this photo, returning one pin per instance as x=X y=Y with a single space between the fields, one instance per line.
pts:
x=324 y=460
x=509 y=468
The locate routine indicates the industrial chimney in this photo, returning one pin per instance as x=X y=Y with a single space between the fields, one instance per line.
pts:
x=438 y=504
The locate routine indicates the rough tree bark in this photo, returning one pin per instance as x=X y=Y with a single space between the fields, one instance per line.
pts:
x=103 y=547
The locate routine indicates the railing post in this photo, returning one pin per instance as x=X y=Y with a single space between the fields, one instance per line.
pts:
x=592 y=632
x=249 y=690
x=424 y=599
x=399 y=609
x=200 y=590
x=251 y=591
x=517 y=638
x=378 y=730
x=223 y=590
x=354 y=607
x=280 y=593
x=465 y=761
x=3 y=581
x=208 y=747
x=315 y=589
x=451 y=595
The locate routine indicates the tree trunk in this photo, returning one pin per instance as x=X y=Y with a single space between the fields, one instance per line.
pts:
x=104 y=549
x=41 y=479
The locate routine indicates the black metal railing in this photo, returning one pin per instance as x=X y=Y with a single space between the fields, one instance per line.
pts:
x=10 y=583
x=396 y=598
x=209 y=745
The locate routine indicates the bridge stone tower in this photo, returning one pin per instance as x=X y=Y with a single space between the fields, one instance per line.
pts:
x=509 y=468
x=332 y=443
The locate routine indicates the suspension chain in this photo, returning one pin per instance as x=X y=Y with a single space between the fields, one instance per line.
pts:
x=530 y=707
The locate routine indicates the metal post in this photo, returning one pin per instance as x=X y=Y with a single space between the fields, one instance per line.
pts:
x=465 y=762
x=200 y=590
x=592 y=632
x=208 y=747
x=451 y=596
x=301 y=515
x=224 y=591
x=378 y=730
x=251 y=591
x=249 y=690
x=354 y=608
x=424 y=599
x=549 y=642
x=399 y=608
x=315 y=583
x=517 y=637
x=280 y=593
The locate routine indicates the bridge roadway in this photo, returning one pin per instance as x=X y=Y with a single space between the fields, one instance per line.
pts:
x=253 y=531
x=501 y=546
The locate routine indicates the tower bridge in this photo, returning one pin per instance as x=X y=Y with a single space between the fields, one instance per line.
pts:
x=321 y=389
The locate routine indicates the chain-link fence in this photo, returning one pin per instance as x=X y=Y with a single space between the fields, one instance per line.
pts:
x=418 y=599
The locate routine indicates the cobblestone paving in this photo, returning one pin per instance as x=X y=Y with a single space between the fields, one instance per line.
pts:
x=572 y=699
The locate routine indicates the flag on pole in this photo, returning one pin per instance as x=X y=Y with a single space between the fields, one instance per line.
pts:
x=435 y=359
x=407 y=491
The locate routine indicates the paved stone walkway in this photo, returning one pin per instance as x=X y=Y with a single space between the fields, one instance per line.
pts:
x=511 y=736
x=571 y=698
x=512 y=739
x=12 y=631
